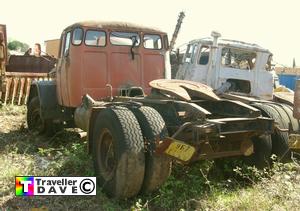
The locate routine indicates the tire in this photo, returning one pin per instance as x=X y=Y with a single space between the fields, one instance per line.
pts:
x=36 y=123
x=157 y=167
x=118 y=152
x=34 y=120
x=282 y=114
x=279 y=139
x=292 y=120
x=261 y=157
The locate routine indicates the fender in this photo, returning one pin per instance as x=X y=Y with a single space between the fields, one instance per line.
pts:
x=90 y=134
x=46 y=92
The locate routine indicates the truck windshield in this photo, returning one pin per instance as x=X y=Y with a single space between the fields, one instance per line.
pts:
x=238 y=58
x=95 y=38
x=77 y=36
x=124 y=38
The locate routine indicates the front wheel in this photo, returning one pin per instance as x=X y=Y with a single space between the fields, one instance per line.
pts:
x=35 y=121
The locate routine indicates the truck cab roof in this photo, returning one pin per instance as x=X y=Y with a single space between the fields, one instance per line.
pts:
x=232 y=43
x=114 y=25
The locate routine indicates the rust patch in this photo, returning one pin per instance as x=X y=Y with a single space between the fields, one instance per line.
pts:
x=185 y=90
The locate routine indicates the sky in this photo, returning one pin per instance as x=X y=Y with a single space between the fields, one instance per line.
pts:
x=274 y=25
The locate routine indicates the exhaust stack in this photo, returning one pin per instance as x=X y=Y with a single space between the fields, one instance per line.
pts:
x=215 y=36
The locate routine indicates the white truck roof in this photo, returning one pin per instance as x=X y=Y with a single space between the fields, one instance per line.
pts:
x=232 y=43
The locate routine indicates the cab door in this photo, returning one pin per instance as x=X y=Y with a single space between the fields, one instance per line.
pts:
x=63 y=69
x=195 y=63
x=202 y=62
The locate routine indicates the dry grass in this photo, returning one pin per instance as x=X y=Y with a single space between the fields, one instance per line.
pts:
x=23 y=153
x=188 y=188
x=280 y=191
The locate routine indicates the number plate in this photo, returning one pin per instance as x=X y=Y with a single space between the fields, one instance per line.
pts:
x=180 y=150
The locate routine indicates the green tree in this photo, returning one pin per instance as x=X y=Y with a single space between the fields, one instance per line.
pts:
x=17 y=45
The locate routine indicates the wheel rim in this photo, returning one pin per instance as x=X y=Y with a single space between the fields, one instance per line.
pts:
x=37 y=123
x=106 y=155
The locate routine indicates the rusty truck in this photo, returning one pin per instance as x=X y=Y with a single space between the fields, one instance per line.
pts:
x=109 y=81
x=242 y=71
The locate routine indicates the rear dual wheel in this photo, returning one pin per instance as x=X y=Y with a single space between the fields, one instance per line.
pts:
x=279 y=138
x=118 y=152
x=157 y=167
x=124 y=166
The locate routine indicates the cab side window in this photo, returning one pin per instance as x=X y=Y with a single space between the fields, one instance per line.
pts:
x=67 y=44
x=95 y=38
x=204 y=55
x=238 y=58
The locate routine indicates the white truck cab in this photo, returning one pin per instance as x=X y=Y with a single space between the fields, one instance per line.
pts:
x=239 y=67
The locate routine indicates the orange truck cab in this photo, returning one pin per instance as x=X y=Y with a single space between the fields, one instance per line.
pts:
x=95 y=55
x=101 y=59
